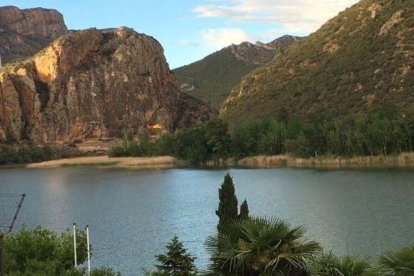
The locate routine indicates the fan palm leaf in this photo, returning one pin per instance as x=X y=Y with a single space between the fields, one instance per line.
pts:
x=260 y=246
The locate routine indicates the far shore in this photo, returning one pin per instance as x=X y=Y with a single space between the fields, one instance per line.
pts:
x=404 y=160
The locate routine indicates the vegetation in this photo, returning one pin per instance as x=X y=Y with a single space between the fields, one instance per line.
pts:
x=176 y=262
x=382 y=132
x=228 y=209
x=210 y=141
x=329 y=264
x=260 y=246
x=20 y=154
x=42 y=252
x=27 y=154
x=399 y=263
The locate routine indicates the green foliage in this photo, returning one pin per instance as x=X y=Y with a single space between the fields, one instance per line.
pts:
x=176 y=262
x=331 y=265
x=227 y=209
x=400 y=262
x=25 y=154
x=384 y=131
x=244 y=210
x=197 y=145
x=260 y=246
x=40 y=252
x=132 y=148
x=31 y=252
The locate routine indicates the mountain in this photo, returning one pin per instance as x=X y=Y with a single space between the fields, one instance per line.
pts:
x=358 y=61
x=212 y=78
x=25 y=32
x=93 y=84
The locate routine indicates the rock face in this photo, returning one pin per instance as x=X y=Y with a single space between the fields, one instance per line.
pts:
x=359 y=61
x=93 y=84
x=212 y=78
x=25 y=32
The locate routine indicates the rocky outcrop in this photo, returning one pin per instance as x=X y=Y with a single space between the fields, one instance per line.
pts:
x=93 y=84
x=25 y=32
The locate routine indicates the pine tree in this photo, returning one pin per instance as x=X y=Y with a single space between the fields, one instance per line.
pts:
x=227 y=209
x=244 y=210
x=176 y=261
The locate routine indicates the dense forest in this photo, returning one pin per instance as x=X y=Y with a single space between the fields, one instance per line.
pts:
x=384 y=131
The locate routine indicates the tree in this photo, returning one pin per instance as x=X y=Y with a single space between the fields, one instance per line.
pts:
x=398 y=263
x=244 y=210
x=259 y=246
x=32 y=251
x=42 y=252
x=329 y=264
x=217 y=139
x=227 y=209
x=176 y=261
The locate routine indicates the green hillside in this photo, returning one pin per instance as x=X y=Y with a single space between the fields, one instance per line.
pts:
x=356 y=62
x=212 y=78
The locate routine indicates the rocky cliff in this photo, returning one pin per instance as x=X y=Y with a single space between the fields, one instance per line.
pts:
x=25 y=32
x=358 y=61
x=212 y=78
x=93 y=84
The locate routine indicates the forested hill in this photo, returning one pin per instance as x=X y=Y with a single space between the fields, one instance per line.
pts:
x=212 y=78
x=358 y=61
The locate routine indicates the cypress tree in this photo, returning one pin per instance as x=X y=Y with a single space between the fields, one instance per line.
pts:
x=227 y=209
x=176 y=261
x=244 y=210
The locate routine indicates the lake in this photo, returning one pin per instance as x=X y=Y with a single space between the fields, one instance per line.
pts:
x=134 y=213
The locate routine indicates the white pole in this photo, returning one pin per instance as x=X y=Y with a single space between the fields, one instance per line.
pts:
x=89 y=250
x=74 y=244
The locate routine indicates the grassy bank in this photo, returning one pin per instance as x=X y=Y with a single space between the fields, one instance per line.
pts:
x=404 y=160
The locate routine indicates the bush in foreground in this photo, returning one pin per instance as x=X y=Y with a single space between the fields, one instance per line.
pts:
x=260 y=246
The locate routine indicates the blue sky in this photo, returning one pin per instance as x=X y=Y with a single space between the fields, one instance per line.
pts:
x=192 y=29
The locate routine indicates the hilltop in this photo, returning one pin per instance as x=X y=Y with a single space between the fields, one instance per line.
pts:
x=23 y=32
x=212 y=78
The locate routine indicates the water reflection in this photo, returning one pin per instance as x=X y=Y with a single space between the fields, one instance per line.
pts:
x=133 y=214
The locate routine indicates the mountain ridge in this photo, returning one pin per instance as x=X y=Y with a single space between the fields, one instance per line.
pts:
x=355 y=62
x=212 y=78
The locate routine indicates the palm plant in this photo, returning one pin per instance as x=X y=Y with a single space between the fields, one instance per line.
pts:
x=331 y=265
x=398 y=263
x=259 y=246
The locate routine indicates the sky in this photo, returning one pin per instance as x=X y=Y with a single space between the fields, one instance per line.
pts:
x=191 y=29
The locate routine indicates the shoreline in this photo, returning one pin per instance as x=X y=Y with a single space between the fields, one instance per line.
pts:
x=404 y=160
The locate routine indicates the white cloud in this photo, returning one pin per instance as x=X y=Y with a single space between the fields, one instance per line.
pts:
x=188 y=42
x=223 y=37
x=294 y=15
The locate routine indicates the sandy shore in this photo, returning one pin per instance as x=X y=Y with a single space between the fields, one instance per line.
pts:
x=404 y=160
x=108 y=162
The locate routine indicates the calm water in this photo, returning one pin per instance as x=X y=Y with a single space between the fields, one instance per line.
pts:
x=133 y=214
